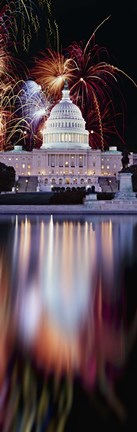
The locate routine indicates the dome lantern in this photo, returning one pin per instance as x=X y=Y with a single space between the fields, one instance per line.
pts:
x=65 y=93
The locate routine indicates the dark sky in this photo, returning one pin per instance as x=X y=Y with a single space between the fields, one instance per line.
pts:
x=77 y=19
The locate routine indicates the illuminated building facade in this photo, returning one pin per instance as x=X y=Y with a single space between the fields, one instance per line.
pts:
x=65 y=158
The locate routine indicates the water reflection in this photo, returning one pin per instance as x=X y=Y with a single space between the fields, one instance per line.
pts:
x=63 y=295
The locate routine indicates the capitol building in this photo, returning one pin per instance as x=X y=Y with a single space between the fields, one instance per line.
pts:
x=65 y=157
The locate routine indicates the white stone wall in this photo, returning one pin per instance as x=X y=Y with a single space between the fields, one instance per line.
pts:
x=56 y=163
x=111 y=162
x=94 y=162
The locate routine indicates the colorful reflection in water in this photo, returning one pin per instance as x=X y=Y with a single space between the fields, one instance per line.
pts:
x=63 y=301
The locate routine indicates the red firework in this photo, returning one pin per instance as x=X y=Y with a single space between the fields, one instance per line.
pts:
x=94 y=88
x=93 y=84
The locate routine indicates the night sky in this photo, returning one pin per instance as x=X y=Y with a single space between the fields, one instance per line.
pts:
x=77 y=19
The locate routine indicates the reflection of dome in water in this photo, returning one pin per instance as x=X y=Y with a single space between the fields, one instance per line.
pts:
x=65 y=126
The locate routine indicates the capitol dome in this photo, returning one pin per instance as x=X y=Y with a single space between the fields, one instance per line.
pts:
x=65 y=127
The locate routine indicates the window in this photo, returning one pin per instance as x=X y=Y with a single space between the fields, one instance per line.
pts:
x=72 y=163
x=107 y=166
x=53 y=181
x=23 y=165
x=46 y=181
x=60 y=160
x=52 y=160
x=80 y=161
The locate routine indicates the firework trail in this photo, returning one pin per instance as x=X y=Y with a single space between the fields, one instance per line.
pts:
x=93 y=84
x=23 y=109
x=6 y=83
x=94 y=88
x=20 y=111
x=9 y=89
x=21 y=21
x=12 y=124
x=9 y=76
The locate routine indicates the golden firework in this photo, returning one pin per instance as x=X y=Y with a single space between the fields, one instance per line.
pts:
x=52 y=70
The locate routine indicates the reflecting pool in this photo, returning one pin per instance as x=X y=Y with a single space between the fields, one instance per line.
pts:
x=67 y=309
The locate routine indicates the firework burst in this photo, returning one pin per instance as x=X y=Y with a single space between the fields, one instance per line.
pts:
x=94 y=88
x=9 y=88
x=33 y=108
x=93 y=84
x=12 y=123
x=51 y=71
